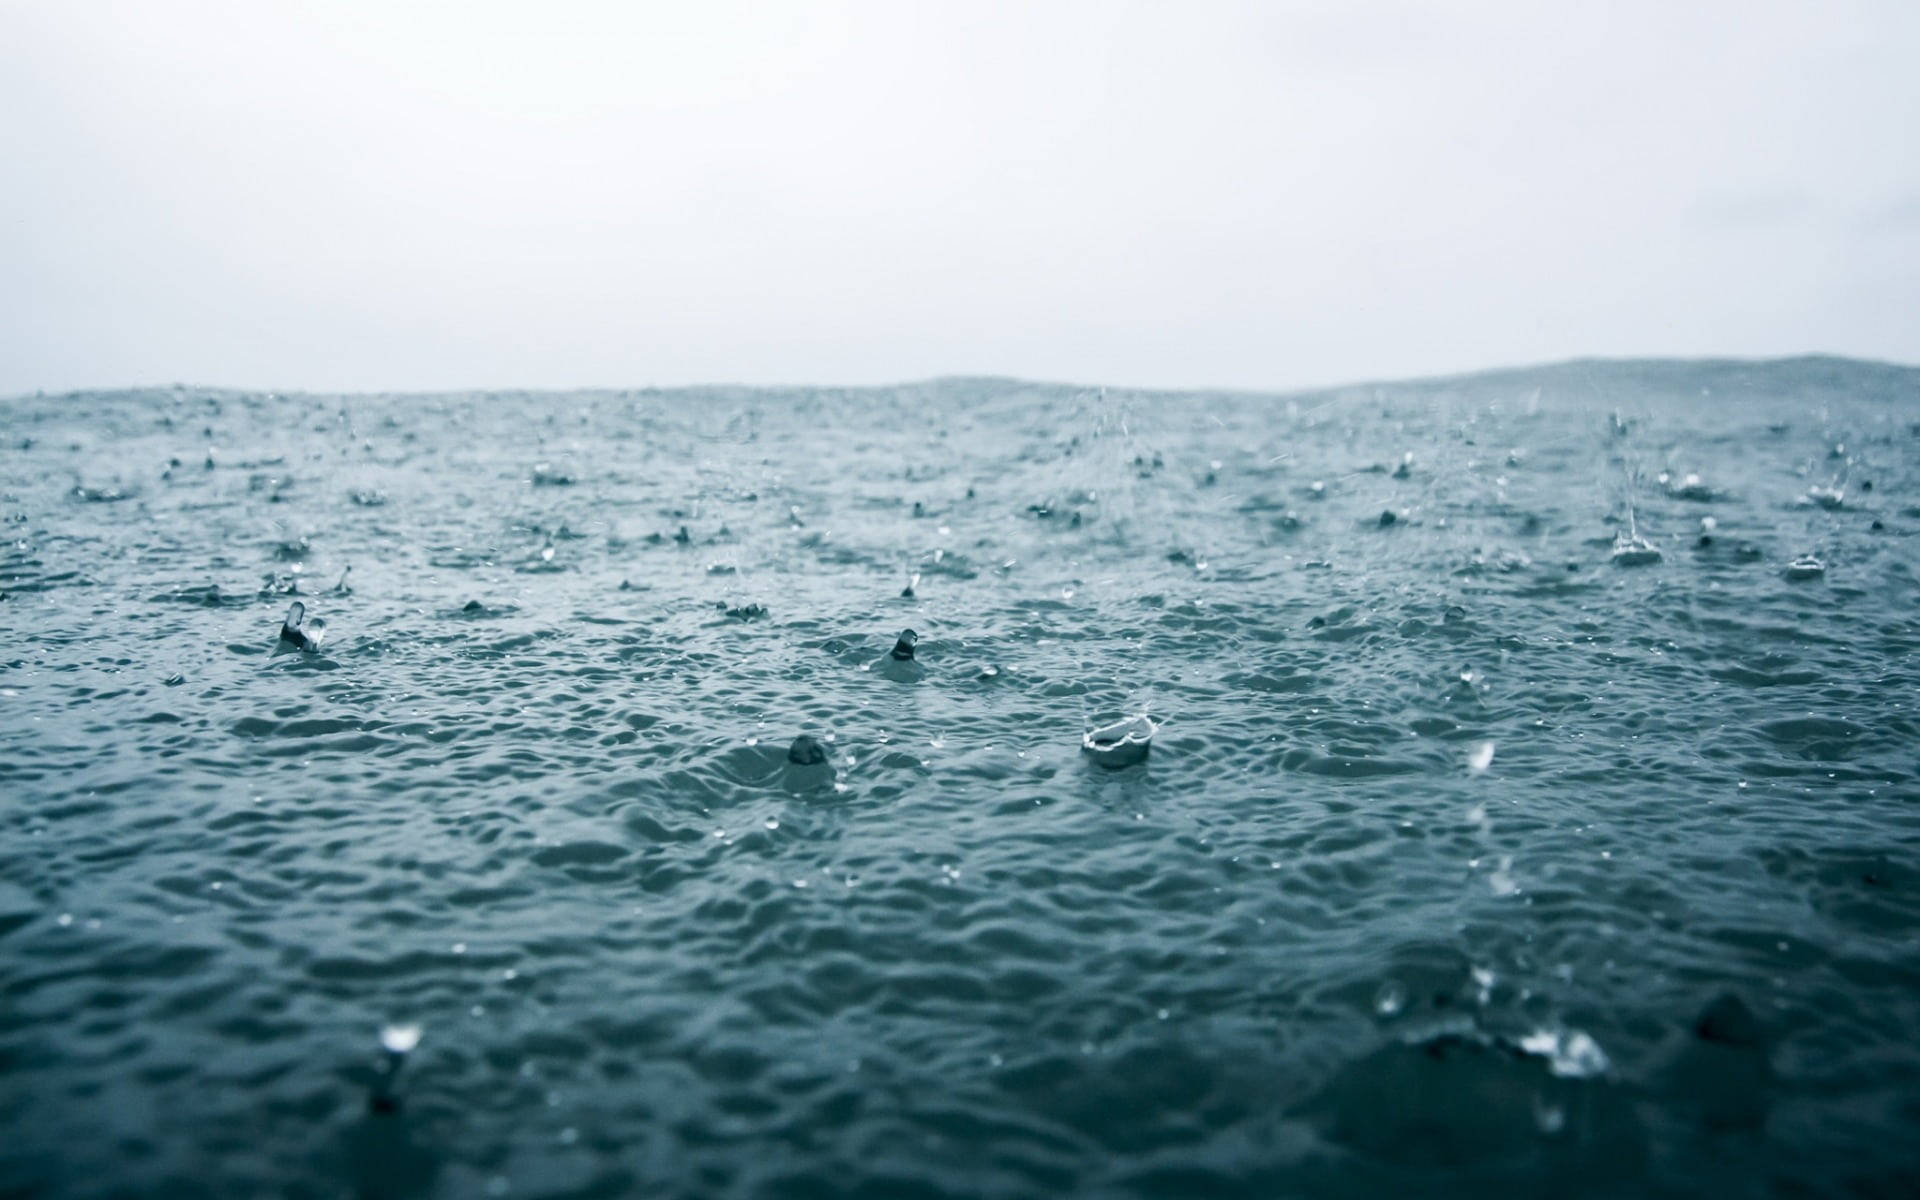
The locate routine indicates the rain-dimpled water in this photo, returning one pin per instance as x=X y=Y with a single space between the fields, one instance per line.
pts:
x=1525 y=797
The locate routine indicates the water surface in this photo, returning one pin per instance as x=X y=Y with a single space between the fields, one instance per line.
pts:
x=1466 y=855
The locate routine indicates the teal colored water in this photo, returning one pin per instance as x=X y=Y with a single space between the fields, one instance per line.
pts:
x=1480 y=845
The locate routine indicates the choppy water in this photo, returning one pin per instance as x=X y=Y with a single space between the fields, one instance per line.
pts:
x=532 y=793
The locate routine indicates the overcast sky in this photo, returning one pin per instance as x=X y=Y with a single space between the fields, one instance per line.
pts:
x=388 y=195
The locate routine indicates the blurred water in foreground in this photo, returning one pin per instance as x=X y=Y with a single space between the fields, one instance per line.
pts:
x=1534 y=804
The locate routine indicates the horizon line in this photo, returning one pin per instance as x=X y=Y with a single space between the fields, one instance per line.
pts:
x=964 y=377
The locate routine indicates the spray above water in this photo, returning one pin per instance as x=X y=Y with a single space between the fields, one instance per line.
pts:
x=807 y=768
x=899 y=663
x=397 y=1041
x=806 y=751
x=1632 y=550
x=1121 y=744
x=1830 y=497
x=1804 y=568
x=293 y=634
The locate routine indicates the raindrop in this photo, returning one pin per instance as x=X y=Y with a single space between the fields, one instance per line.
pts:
x=1569 y=1054
x=1501 y=881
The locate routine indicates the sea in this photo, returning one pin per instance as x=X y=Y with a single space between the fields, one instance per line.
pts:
x=1524 y=796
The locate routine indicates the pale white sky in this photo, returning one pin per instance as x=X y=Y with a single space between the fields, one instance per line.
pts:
x=375 y=195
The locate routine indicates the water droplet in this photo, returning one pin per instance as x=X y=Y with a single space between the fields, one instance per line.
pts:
x=399 y=1039
x=64 y=920
x=772 y=822
x=569 y=1136
x=1390 y=999
x=1501 y=880
x=459 y=947
x=1480 y=756
x=1569 y=1053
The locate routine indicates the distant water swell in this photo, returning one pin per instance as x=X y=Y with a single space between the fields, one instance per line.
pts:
x=1534 y=805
